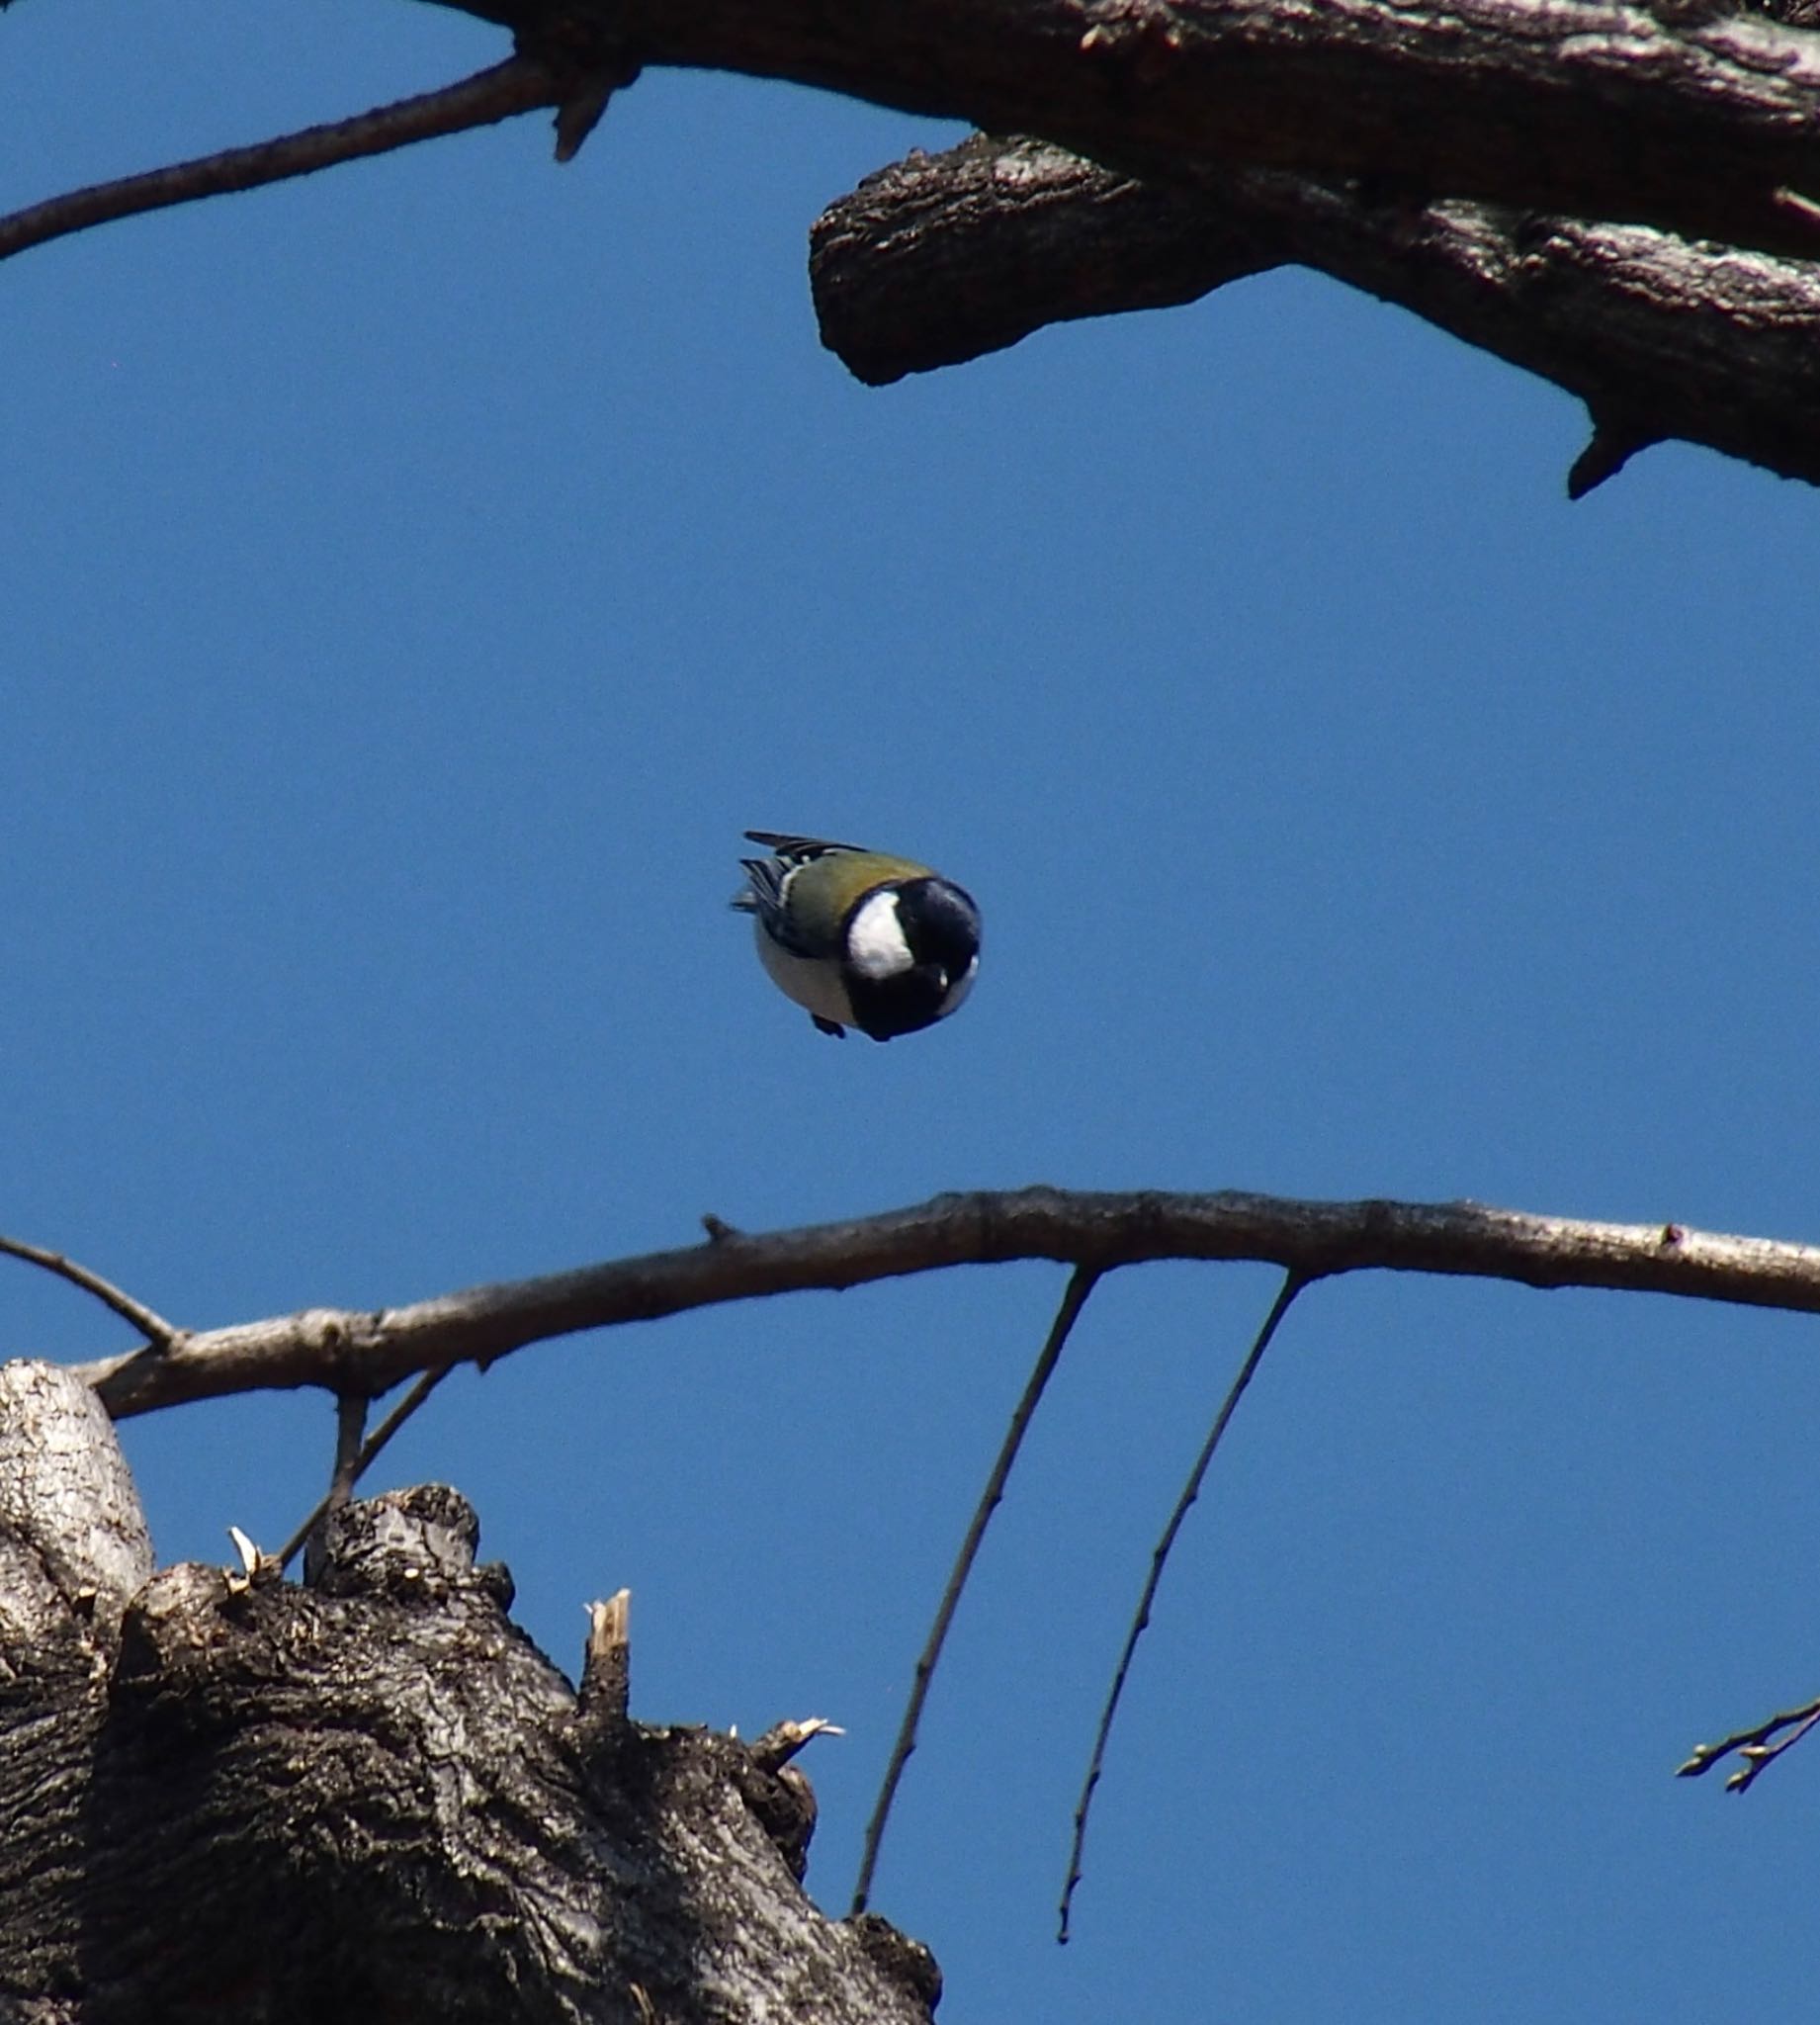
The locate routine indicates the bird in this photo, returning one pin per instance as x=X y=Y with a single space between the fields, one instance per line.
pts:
x=858 y=937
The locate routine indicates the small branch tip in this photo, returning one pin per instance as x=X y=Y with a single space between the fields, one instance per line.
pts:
x=157 y=1331
x=781 y=1742
x=1754 y=1746
x=1796 y=204
x=1612 y=446
x=577 y=117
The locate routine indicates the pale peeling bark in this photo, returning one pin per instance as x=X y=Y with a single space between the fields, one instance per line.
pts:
x=228 y=1796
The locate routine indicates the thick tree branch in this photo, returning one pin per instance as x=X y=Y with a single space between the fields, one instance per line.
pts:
x=351 y=1351
x=1436 y=154
x=1702 y=122
x=941 y=258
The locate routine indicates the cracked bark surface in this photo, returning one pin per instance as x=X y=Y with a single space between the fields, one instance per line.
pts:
x=941 y=259
x=1700 y=118
x=1622 y=197
x=228 y=1795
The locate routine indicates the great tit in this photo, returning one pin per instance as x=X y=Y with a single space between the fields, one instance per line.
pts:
x=860 y=938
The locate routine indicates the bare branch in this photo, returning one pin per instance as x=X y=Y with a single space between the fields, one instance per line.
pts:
x=159 y=1333
x=942 y=257
x=1291 y=1286
x=1454 y=156
x=1699 y=120
x=346 y=1476
x=1074 y=1300
x=348 y=1349
x=350 y=1425
x=1754 y=1746
x=515 y=86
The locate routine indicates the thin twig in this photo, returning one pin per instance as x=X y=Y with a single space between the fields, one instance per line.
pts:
x=1081 y=1283
x=350 y=1430
x=351 y=1410
x=364 y=1460
x=518 y=85
x=1754 y=1746
x=1292 y=1286
x=159 y=1333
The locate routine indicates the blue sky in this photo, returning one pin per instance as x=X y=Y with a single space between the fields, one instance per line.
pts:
x=416 y=578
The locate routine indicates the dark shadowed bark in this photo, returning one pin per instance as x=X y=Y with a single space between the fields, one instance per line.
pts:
x=943 y=258
x=1623 y=198
x=228 y=1797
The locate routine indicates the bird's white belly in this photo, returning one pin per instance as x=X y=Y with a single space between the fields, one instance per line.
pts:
x=814 y=983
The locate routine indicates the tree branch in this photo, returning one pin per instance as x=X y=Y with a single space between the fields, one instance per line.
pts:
x=1159 y=1559
x=352 y=1350
x=1081 y=1284
x=514 y=86
x=941 y=258
x=151 y=1325
x=364 y=1460
x=1701 y=122
x=1434 y=152
x=1753 y=1745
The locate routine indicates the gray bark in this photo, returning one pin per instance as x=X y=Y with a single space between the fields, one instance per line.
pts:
x=367 y=1353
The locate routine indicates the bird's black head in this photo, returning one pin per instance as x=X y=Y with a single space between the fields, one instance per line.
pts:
x=912 y=950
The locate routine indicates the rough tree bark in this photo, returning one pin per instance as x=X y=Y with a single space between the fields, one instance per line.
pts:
x=1622 y=197
x=230 y=1796
x=941 y=259
x=1624 y=200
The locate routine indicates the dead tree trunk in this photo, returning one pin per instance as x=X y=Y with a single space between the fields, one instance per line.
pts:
x=227 y=1796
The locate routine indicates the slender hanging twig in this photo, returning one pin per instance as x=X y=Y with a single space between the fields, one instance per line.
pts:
x=1081 y=1283
x=152 y=1325
x=363 y=1461
x=1292 y=1286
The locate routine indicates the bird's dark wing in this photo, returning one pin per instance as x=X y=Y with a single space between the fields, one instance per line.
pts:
x=798 y=848
x=765 y=879
x=764 y=891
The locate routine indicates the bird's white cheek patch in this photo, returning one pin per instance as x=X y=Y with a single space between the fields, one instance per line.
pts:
x=876 y=947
